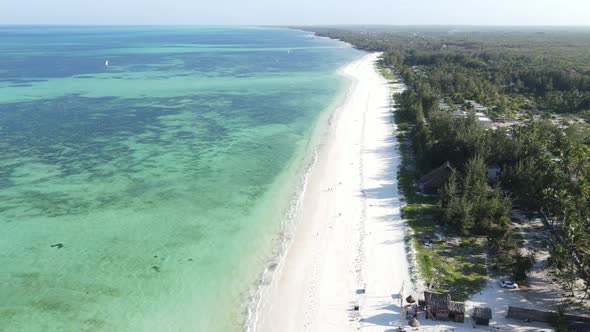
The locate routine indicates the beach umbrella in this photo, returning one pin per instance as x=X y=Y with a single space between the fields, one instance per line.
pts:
x=410 y=299
x=414 y=323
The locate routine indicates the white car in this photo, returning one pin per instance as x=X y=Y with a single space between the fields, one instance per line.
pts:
x=508 y=284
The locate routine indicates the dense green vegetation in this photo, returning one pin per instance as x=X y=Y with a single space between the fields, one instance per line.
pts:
x=507 y=69
x=527 y=75
x=458 y=269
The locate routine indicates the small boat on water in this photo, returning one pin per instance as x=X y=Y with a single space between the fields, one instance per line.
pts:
x=106 y=63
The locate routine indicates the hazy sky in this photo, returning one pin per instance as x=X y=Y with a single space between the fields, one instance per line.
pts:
x=258 y=12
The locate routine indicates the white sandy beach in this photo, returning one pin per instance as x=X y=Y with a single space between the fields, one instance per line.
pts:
x=348 y=228
x=349 y=235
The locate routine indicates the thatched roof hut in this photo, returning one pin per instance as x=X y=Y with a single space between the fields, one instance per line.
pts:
x=482 y=315
x=457 y=311
x=435 y=301
x=437 y=305
x=440 y=307
x=457 y=307
x=431 y=182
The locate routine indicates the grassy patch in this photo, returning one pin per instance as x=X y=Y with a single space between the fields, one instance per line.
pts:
x=420 y=217
x=413 y=214
x=460 y=270
x=386 y=73
x=453 y=264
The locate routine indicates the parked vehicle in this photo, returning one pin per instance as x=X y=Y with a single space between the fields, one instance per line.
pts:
x=508 y=284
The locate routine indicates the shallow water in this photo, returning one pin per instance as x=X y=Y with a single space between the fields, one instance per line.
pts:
x=165 y=175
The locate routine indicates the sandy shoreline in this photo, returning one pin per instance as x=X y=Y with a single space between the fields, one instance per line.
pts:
x=349 y=233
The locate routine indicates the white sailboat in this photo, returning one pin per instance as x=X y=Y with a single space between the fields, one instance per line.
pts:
x=106 y=63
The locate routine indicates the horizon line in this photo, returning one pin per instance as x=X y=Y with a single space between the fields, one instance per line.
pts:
x=297 y=25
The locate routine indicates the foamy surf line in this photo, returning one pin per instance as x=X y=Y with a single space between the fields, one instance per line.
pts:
x=261 y=294
x=259 y=300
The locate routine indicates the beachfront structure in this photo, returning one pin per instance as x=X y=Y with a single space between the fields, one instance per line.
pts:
x=481 y=118
x=440 y=307
x=430 y=183
x=437 y=305
x=482 y=315
x=457 y=311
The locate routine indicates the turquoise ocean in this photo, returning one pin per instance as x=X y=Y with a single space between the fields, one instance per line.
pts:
x=150 y=192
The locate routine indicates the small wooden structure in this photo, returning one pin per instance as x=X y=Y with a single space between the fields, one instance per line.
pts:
x=457 y=311
x=482 y=315
x=437 y=305
x=440 y=307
